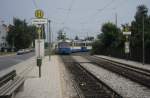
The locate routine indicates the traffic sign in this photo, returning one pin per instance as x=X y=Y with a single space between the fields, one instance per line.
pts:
x=127 y=47
x=126 y=33
x=39 y=13
x=38 y=21
x=39 y=48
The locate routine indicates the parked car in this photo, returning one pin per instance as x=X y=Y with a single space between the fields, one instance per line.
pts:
x=21 y=51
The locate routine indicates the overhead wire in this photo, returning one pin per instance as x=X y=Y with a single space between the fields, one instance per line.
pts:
x=69 y=10
x=99 y=10
x=115 y=8
x=105 y=7
x=35 y=4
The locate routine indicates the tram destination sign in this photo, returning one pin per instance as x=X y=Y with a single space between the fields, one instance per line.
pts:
x=38 y=21
x=126 y=33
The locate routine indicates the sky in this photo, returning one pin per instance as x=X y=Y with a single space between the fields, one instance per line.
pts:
x=76 y=17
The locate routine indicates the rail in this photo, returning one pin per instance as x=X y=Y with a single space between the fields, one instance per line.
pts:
x=133 y=73
x=88 y=84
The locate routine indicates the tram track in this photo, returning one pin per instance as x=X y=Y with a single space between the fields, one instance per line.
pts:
x=87 y=85
x=135 y=74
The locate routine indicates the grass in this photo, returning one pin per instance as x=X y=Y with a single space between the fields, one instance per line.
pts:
x=6 y=53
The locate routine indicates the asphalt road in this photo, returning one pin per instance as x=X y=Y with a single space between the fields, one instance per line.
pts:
x=8 y=61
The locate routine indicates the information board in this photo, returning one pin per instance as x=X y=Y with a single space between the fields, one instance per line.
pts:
x=39 y=48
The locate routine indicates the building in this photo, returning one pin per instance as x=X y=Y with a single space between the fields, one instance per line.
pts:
x=3 y=35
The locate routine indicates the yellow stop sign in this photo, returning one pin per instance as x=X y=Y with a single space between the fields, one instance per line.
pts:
x=39 y=13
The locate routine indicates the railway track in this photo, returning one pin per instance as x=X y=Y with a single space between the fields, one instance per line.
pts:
x=135 y=74
x=87 y=85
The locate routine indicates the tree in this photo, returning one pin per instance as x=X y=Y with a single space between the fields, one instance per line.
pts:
x=61 y=35
x=111 y=35
x=11 y=36
x=126 y=27
x=110 y=39
x=76 y=37
x=141 y=17
x=32 y=29
x=20 y=34
x=137 y=25
x=97 y=47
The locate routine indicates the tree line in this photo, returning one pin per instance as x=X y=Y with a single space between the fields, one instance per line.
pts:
x=20 y=34
x=111 y=40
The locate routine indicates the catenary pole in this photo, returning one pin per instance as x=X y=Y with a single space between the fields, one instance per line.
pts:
x=49 y=22
x=143 y=40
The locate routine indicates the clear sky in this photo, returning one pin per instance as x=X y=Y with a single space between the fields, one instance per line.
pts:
x=77 y=17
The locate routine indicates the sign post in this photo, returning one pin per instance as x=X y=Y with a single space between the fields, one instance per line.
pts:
x=127 y=43
x=39 y=50
x=39 y=14
x=39 y=43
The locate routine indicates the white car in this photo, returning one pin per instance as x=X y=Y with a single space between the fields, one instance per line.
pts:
x=21 y=51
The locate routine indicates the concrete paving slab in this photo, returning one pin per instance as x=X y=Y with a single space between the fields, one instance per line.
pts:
x=52 y=84
x=129 y=62
x=48 y=86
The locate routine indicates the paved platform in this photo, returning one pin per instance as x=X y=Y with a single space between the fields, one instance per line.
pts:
x=21 y=68
x=129 y=62
x=50 y=85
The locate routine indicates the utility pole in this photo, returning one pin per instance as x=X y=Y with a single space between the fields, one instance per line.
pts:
x=39 y=60
x=143 y=40
x=116 y=18
x=49 y=22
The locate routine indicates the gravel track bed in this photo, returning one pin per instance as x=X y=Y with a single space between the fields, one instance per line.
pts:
x=137 y=75
x=89 y=86
x=123 y=86
x=67 y=84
